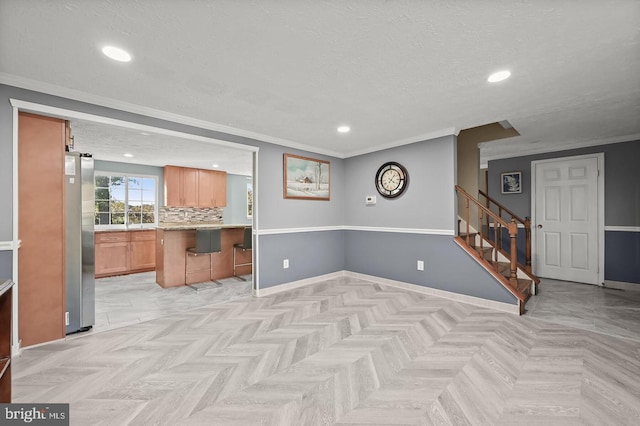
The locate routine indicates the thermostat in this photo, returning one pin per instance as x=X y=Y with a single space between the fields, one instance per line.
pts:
x=370 y=199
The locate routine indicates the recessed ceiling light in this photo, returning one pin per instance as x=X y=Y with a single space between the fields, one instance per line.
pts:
x=344 y=129
x=215 y=165
x=116 y=53
x=498 y=76
x=128 y=155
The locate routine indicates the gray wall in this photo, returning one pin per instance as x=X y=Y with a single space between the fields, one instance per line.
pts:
x=622 y=200
x=310 y=254
x=427 y=203
x=132 y=169
x=236 y=210
x=446 y=266
x=621 y=180
x=276 y=212
x=6 y=261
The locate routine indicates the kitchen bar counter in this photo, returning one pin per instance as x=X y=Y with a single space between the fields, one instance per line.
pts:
x=172 y=242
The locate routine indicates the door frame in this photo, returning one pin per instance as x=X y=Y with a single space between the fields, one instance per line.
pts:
x=64 y=113
x=600 y=199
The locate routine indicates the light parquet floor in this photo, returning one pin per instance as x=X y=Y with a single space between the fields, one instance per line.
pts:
x=130 y=299
x=345 y=352
x=589 y=307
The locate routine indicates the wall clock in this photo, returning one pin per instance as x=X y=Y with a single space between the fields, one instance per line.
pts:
x=391 y=179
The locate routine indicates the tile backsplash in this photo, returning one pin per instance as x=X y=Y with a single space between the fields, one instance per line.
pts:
x=189 y=215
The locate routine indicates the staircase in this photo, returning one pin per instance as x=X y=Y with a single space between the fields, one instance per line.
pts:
x=484 y=242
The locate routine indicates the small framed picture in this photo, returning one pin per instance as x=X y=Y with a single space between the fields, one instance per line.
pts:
x=511 y=182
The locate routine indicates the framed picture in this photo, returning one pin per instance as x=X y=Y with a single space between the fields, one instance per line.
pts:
x=306 y=178
x=511 y=182
x=249 y=200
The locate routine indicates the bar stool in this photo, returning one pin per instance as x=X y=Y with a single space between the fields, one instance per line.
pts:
x=208 y=241
x=246 y=244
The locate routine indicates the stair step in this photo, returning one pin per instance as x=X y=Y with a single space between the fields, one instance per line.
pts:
x=504 y=268
x=524 y=285
x=486 y=252
x=500 y=270
x=472 y=238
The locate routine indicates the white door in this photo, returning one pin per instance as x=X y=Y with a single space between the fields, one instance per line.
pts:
x=566 y=218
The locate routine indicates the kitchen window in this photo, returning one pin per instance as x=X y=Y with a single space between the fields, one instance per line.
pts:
x=124 y=201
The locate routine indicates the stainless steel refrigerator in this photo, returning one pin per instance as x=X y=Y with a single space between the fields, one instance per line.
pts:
x=79 y=254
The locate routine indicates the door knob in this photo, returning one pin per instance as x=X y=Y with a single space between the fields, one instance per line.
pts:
x=539 y=226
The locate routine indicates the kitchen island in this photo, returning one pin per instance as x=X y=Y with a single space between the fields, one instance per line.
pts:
x=172 y=241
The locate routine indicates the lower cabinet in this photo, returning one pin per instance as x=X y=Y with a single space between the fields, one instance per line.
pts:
x=142 y=253
x=6 y=316
x=119 y=253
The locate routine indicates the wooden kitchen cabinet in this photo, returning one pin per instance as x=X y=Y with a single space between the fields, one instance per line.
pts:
x=125 y=252
x=6 y=318
x=143 y=250
x=111 y=253
x=180 y=186
x=212 y=188
x=187 y=187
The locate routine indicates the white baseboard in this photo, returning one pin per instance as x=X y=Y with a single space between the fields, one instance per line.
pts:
x=471 y=300
x=295 y=284
x=621 y=285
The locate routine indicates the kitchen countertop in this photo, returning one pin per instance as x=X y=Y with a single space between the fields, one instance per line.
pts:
x=190 y=226
x=5 y=286
x=125 y=230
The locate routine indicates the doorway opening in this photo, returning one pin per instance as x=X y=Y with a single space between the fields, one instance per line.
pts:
x=132 y=135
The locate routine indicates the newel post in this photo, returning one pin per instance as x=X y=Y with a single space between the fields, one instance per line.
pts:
x=527 y=232
x=513 y=234
x=466 y=218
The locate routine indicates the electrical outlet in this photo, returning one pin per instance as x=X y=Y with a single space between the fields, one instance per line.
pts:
x=66 y=318
x=285 y=263
x=420 y=265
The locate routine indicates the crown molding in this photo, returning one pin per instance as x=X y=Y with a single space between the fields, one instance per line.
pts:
x=556 y=148
x=76 y=95
x=449 y=131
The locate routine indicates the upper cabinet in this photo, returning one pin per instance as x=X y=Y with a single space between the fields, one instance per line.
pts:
x=212 y=188
x=186 y=187
x=180 y=186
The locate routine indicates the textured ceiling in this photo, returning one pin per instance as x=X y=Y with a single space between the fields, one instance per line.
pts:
x=397 y=71
x=110 y=143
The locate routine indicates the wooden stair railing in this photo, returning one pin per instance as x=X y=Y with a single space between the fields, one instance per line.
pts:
x=489 y=253
x=526 y=223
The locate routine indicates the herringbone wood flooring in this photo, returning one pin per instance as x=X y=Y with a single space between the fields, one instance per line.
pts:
x=345 y=352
